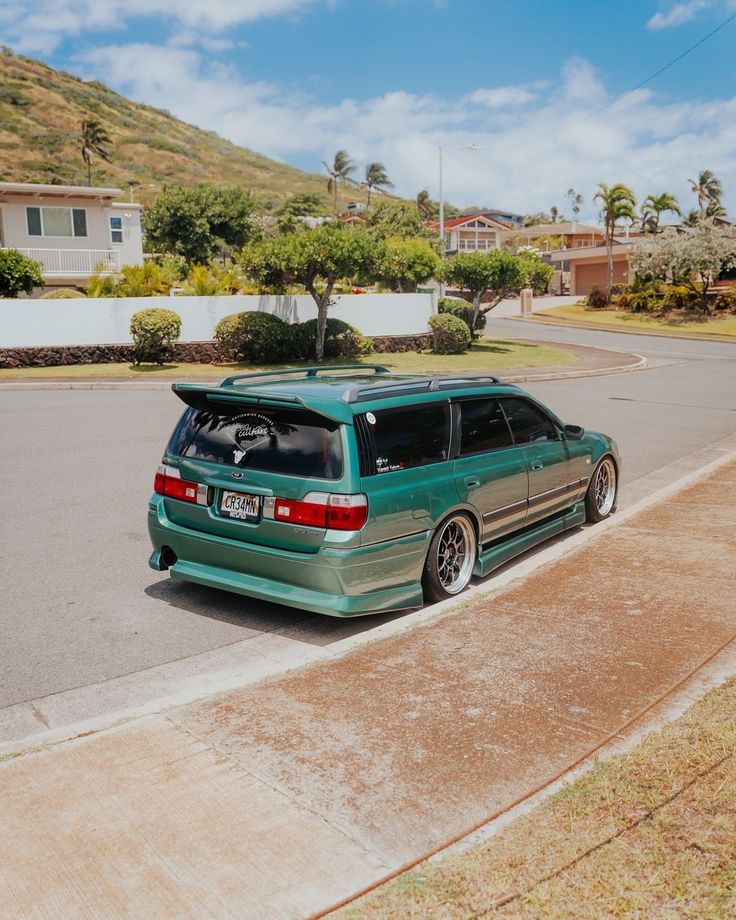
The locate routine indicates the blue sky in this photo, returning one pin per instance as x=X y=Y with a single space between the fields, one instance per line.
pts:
x=391 y=80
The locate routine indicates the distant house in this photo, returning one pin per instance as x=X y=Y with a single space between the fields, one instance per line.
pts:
x=588 y=265
x=471 y=233
x=563 y=235
x=73 y=231
x=506 y=217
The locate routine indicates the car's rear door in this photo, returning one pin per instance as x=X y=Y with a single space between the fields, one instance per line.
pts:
x=490 y=470
x=554 y=475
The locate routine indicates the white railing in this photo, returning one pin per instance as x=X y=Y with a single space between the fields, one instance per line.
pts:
x=474 y=245
x=75 y=262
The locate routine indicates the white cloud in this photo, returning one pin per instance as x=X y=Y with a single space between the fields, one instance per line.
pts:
x=40 y=26
x=530 y=154
x=677 y=15
x=502 y=96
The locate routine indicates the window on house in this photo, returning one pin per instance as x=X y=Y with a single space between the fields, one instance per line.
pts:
x=116 y=229
x=56 y=221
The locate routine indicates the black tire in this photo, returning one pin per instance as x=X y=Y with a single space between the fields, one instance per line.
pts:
x=602 y=493
x=450 y=559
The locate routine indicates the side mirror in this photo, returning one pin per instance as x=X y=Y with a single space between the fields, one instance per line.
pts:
x=573 y=432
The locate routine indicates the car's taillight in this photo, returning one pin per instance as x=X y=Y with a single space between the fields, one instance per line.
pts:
x=168 y=482
x=320 y=509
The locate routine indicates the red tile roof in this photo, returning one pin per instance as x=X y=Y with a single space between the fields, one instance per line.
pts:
x=467 y=218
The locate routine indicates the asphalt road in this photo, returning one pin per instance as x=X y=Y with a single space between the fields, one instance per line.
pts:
x=78 y=604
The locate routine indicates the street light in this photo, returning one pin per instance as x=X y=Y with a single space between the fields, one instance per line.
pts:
x=442 y=194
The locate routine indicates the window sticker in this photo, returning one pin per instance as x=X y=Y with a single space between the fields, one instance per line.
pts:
x=383 y=465
x=251 y=430
x=370 y=418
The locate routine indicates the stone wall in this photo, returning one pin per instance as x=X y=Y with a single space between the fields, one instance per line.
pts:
x=183 y=352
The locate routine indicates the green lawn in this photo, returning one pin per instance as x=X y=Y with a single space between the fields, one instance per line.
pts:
x=485 y=355
x=650 y=833
x=620 y=321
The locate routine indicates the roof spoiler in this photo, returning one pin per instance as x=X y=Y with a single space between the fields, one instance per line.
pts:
x=200 y=396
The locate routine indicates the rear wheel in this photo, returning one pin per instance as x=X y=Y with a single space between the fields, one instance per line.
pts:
x=600 y=499
x=451 y=558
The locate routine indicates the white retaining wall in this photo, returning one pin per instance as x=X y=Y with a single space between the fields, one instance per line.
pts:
x=106 y=320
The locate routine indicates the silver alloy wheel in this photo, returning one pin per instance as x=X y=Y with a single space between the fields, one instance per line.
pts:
x=604 y=487
x=456 y=554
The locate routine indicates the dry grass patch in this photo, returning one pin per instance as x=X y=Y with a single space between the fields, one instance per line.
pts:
x=621 y=321
x=650 y=833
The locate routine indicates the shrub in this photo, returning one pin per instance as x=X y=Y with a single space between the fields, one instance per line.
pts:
x=725 y=302
x=260 y=338
x=61 y=294
x=145 y=280
x=451 y=335
x=644 y=301
x=154 y=331
x=679 y=297
x=464 y=311
x=18 y=273
x=597 y=299
x=341 y=340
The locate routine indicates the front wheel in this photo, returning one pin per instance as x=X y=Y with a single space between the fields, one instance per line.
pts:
x=450 y=560
x=600 y=499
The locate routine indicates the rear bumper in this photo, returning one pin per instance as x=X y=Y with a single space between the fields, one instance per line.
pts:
x=334 y=581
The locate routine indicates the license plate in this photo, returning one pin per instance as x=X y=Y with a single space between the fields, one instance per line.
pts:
x=241 y=506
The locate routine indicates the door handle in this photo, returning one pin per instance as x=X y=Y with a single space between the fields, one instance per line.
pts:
x=536 y=464
x=471 y=482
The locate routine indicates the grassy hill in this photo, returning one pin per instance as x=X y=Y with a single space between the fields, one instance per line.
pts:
x=41 y=111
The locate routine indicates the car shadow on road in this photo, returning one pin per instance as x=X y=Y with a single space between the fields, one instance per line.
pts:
x=255 y=616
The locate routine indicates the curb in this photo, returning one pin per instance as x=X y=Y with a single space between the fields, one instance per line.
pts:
x=601 y=327
x=194 y=688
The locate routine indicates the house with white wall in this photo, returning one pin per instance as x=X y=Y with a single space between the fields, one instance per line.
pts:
x=73 y=231
x=471 y=233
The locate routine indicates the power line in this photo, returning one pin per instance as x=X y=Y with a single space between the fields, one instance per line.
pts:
x=633 y=89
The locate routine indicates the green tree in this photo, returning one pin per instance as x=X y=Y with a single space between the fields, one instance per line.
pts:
x=407 y=263
x=537 y=273
x=316 y=259
x=398 y=218
x=302 y=204
x=708 y=188
x=575 y=200
x=341 y=170
x=199 y=222
x=695 y=259
x=427 y=208
x=94 y=142
x=18 y=273
x=376 y=177
x=652 y=209
x=617 y=204
x=479 y=273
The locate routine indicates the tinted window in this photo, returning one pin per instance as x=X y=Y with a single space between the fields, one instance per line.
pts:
x=411 y=436
x=483 y=426
x=79 y=217
x=527 y=422
x=290 y=441
x=33 y=217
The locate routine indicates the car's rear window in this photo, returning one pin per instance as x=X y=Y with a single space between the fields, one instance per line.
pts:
x=291 y=441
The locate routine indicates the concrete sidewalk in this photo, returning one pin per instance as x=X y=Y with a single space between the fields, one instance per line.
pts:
x=281 y=798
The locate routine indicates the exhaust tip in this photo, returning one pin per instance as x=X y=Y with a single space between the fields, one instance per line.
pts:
x=168 y=557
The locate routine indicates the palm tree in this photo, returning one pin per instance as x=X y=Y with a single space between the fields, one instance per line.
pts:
x=714 y=209
x=617 y=203
x=708 y=188
x=692 y=218
x=376 y=177
x=575 y=200
x=652 y=209
x=427 y=207
x=93 y=140
x=340 y=171
x=554 y=213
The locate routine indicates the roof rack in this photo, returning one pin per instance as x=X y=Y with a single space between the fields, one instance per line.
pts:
x=384 y=390
x=305 y=372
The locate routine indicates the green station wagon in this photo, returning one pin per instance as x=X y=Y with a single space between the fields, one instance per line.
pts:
x=351 y=490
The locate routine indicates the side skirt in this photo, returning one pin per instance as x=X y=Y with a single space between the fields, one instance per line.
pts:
x=494 y=554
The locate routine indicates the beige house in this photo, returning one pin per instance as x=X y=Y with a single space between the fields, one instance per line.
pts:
x=471 y=233
x=73 y=231
x=547 y=237
x=588 y=265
